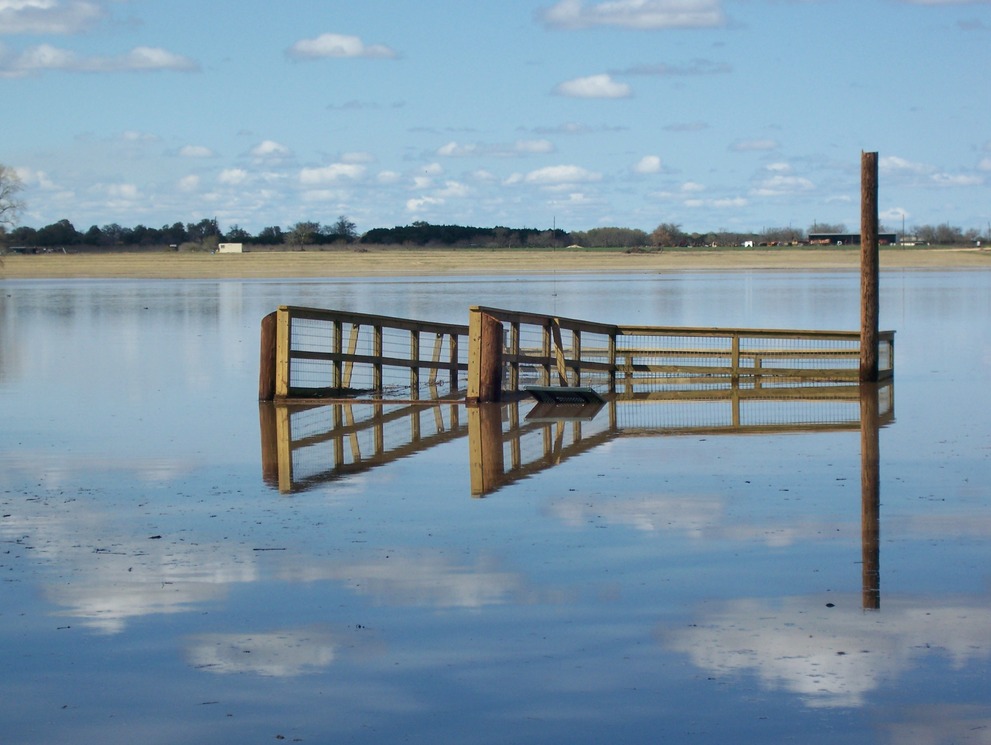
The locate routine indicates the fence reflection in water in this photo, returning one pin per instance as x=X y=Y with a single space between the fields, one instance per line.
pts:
x=304 y=446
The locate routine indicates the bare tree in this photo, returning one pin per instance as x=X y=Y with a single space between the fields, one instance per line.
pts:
x=10 y=204
x=302 y=234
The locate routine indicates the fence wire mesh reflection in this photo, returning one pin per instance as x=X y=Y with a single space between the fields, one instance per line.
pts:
x=304 y=446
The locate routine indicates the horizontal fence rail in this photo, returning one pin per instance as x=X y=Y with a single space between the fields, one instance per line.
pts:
x=319 y=353
x=548 y=350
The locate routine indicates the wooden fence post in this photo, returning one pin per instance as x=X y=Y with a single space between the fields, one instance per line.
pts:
x=484 y=357
x=869 y=268
x=266 y=367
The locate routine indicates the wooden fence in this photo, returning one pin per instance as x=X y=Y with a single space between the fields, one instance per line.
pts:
x=510 y=349
x=313 y=353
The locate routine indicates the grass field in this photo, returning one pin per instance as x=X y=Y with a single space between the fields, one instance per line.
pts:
x=462 y=262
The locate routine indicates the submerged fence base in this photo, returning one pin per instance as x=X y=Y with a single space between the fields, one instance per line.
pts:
x=309 y=353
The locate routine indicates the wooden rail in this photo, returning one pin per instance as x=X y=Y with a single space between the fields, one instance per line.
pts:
x=569 y=352
x=316 y=353
x=313 y=353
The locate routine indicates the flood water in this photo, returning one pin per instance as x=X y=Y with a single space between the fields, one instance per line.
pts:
x=694 y=584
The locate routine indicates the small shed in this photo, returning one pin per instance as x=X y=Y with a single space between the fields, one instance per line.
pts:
x=230 y=248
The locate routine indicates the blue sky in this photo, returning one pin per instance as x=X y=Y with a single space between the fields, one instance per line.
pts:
x=713 y=114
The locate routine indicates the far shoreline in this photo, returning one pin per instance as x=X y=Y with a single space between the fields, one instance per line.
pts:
x=401 y=262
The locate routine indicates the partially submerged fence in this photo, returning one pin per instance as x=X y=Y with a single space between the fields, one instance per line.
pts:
x=314 y=353
x=510 y=350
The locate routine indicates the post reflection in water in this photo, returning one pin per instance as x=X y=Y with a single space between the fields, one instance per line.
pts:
x=306 y=445
x=870 y=488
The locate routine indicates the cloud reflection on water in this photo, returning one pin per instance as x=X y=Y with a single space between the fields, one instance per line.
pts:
x=833 y=657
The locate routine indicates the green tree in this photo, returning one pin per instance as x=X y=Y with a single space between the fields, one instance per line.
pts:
x=237 y=234
x=61 y=233
x=270 y=236
x=205 y=228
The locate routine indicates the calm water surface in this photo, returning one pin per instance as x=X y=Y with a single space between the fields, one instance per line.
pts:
x=693 y=588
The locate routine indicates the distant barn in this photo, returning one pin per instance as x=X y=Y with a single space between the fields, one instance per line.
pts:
x=848 y=239
x=230 y=248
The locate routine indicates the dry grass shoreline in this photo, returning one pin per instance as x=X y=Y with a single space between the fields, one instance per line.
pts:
x=426 y=262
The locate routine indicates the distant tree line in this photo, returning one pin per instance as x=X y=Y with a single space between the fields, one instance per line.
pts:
x=206 y=234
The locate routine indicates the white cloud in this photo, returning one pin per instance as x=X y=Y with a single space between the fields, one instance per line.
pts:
x=389 y=177
x=122 y=191
x=924 y=174
x=985 y=164
x=453 y=189
x=338 y=46
x=777 y=186
x=648 y=164
x=233 y=176
x=35 y=179
x=896 y=163
x=594 y=86
x=189 y=183
x=895 y=214
x=730 y=202
x=270 y=149
x=778 y=167
x=331 y=173
x=47 y=16
x=958 y=179
x=456 y=149
x=195 y=151
x=48 y=58
x=557 y=175
x=690 y=187
x=417 y=204
x=635 y=14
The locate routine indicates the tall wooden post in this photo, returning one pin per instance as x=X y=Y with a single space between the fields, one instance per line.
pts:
x=266 y=367
x=484 y=357
x=869 y=268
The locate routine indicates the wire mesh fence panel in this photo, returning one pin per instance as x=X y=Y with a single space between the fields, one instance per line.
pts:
x=400 y=358
x=769 y=355
x=353 y=353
